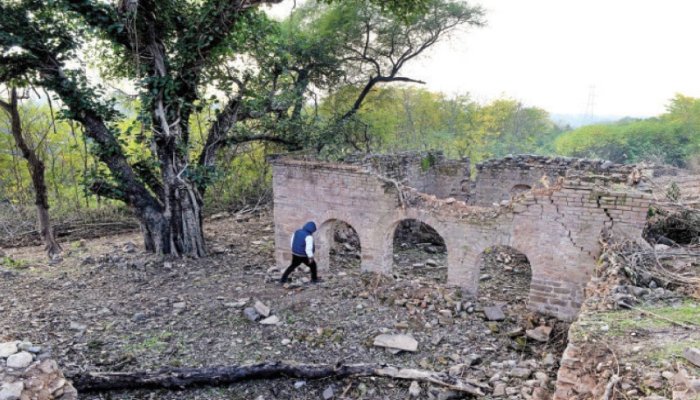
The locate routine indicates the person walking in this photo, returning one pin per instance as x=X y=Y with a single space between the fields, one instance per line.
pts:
x=303 y=252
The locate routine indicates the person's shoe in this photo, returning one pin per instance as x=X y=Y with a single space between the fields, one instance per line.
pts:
x=317 y=280
x=282 y=281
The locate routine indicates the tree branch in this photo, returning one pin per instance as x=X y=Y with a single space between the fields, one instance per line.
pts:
x=101 y=16
x=179 y=378
x=261 y=138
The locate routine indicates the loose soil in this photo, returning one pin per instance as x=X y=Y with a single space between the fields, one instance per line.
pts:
x=111 y=307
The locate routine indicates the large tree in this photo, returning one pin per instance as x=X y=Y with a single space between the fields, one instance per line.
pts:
x=176 y=54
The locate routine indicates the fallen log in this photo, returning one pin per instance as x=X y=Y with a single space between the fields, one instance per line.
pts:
x=180 y=378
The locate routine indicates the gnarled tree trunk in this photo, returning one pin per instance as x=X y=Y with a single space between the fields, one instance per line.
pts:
x=175 y=229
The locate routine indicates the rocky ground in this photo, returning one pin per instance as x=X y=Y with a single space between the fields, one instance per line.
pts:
x=110 y=307
x=638 y=333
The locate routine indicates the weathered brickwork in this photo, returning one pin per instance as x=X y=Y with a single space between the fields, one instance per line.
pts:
x=556 y=228
x=429 y=172
x=500 y=179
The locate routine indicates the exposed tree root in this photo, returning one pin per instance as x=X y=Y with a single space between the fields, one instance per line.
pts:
x=179 y=378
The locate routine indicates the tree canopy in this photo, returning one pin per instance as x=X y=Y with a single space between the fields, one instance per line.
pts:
x=180 y=59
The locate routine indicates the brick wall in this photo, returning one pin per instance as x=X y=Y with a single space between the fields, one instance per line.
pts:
x=497 y=180
x=429 y=172
x=557 y=229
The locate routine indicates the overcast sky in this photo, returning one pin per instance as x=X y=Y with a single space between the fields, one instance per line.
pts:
x=636 y=54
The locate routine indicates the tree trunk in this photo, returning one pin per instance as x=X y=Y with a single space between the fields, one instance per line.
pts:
x=180 y=378
x=36 y=171
x=177 y=230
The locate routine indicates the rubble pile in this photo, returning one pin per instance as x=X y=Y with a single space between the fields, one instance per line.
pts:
x=27 y=373
x=638 y=329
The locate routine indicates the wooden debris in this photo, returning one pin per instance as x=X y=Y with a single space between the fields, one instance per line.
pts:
x=179 y=378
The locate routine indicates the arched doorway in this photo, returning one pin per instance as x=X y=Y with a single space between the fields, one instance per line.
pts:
x=345 y=249
x=505 y=275
x=338 y=247
x=419 y=252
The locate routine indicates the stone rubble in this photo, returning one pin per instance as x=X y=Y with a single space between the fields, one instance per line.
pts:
x=398 y=342
x=28 y=374
x=692 y=354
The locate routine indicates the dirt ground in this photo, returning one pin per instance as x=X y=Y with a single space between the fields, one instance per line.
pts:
x=110 y=307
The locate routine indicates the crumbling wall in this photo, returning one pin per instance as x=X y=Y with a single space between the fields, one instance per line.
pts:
x=429 y=172
x=500 y=179
x=559 y=231
x=557 y=228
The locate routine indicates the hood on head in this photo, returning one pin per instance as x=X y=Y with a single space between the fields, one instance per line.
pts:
x=310 y=227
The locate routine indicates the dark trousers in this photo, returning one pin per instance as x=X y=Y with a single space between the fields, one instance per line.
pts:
x=296 y=261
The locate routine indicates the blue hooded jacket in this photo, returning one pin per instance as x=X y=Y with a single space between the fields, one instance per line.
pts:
x=299 y=238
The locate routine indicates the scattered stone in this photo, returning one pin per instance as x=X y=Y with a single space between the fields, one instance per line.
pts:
x=522 y=373
x=251 y=314
x=549 y=360
x=449 y=395
x=240 y=303
x=473 y=359
x=485 y=277
x=399 y=342
x=89 y=260
x=262 y=309
x=11 y=391
x=692 y=354
x=129 y=247
x=494 y=313
x=540 y=334
x=20 y=360
x=328 y=393
x=519 y=331
x=271 y=320
x=299 y=384
x=511 y=391
x=431 y=263
x=542 y=377
x=75 y=326
x=493 y=327
x=414 y=390
x=139 y=316
x=499 y=390
x=401 y=325
x=654 y=381
x=7 y=349
x=457 y=370
x=286 y=342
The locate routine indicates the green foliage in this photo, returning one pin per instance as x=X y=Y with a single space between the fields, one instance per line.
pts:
x=59 y=144
x=403 y=8
x=672 y=138
x=622 y=322
x=10 y=262
x=411 y=118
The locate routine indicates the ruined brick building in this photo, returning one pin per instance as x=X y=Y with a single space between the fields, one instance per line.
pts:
x=553 y=210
